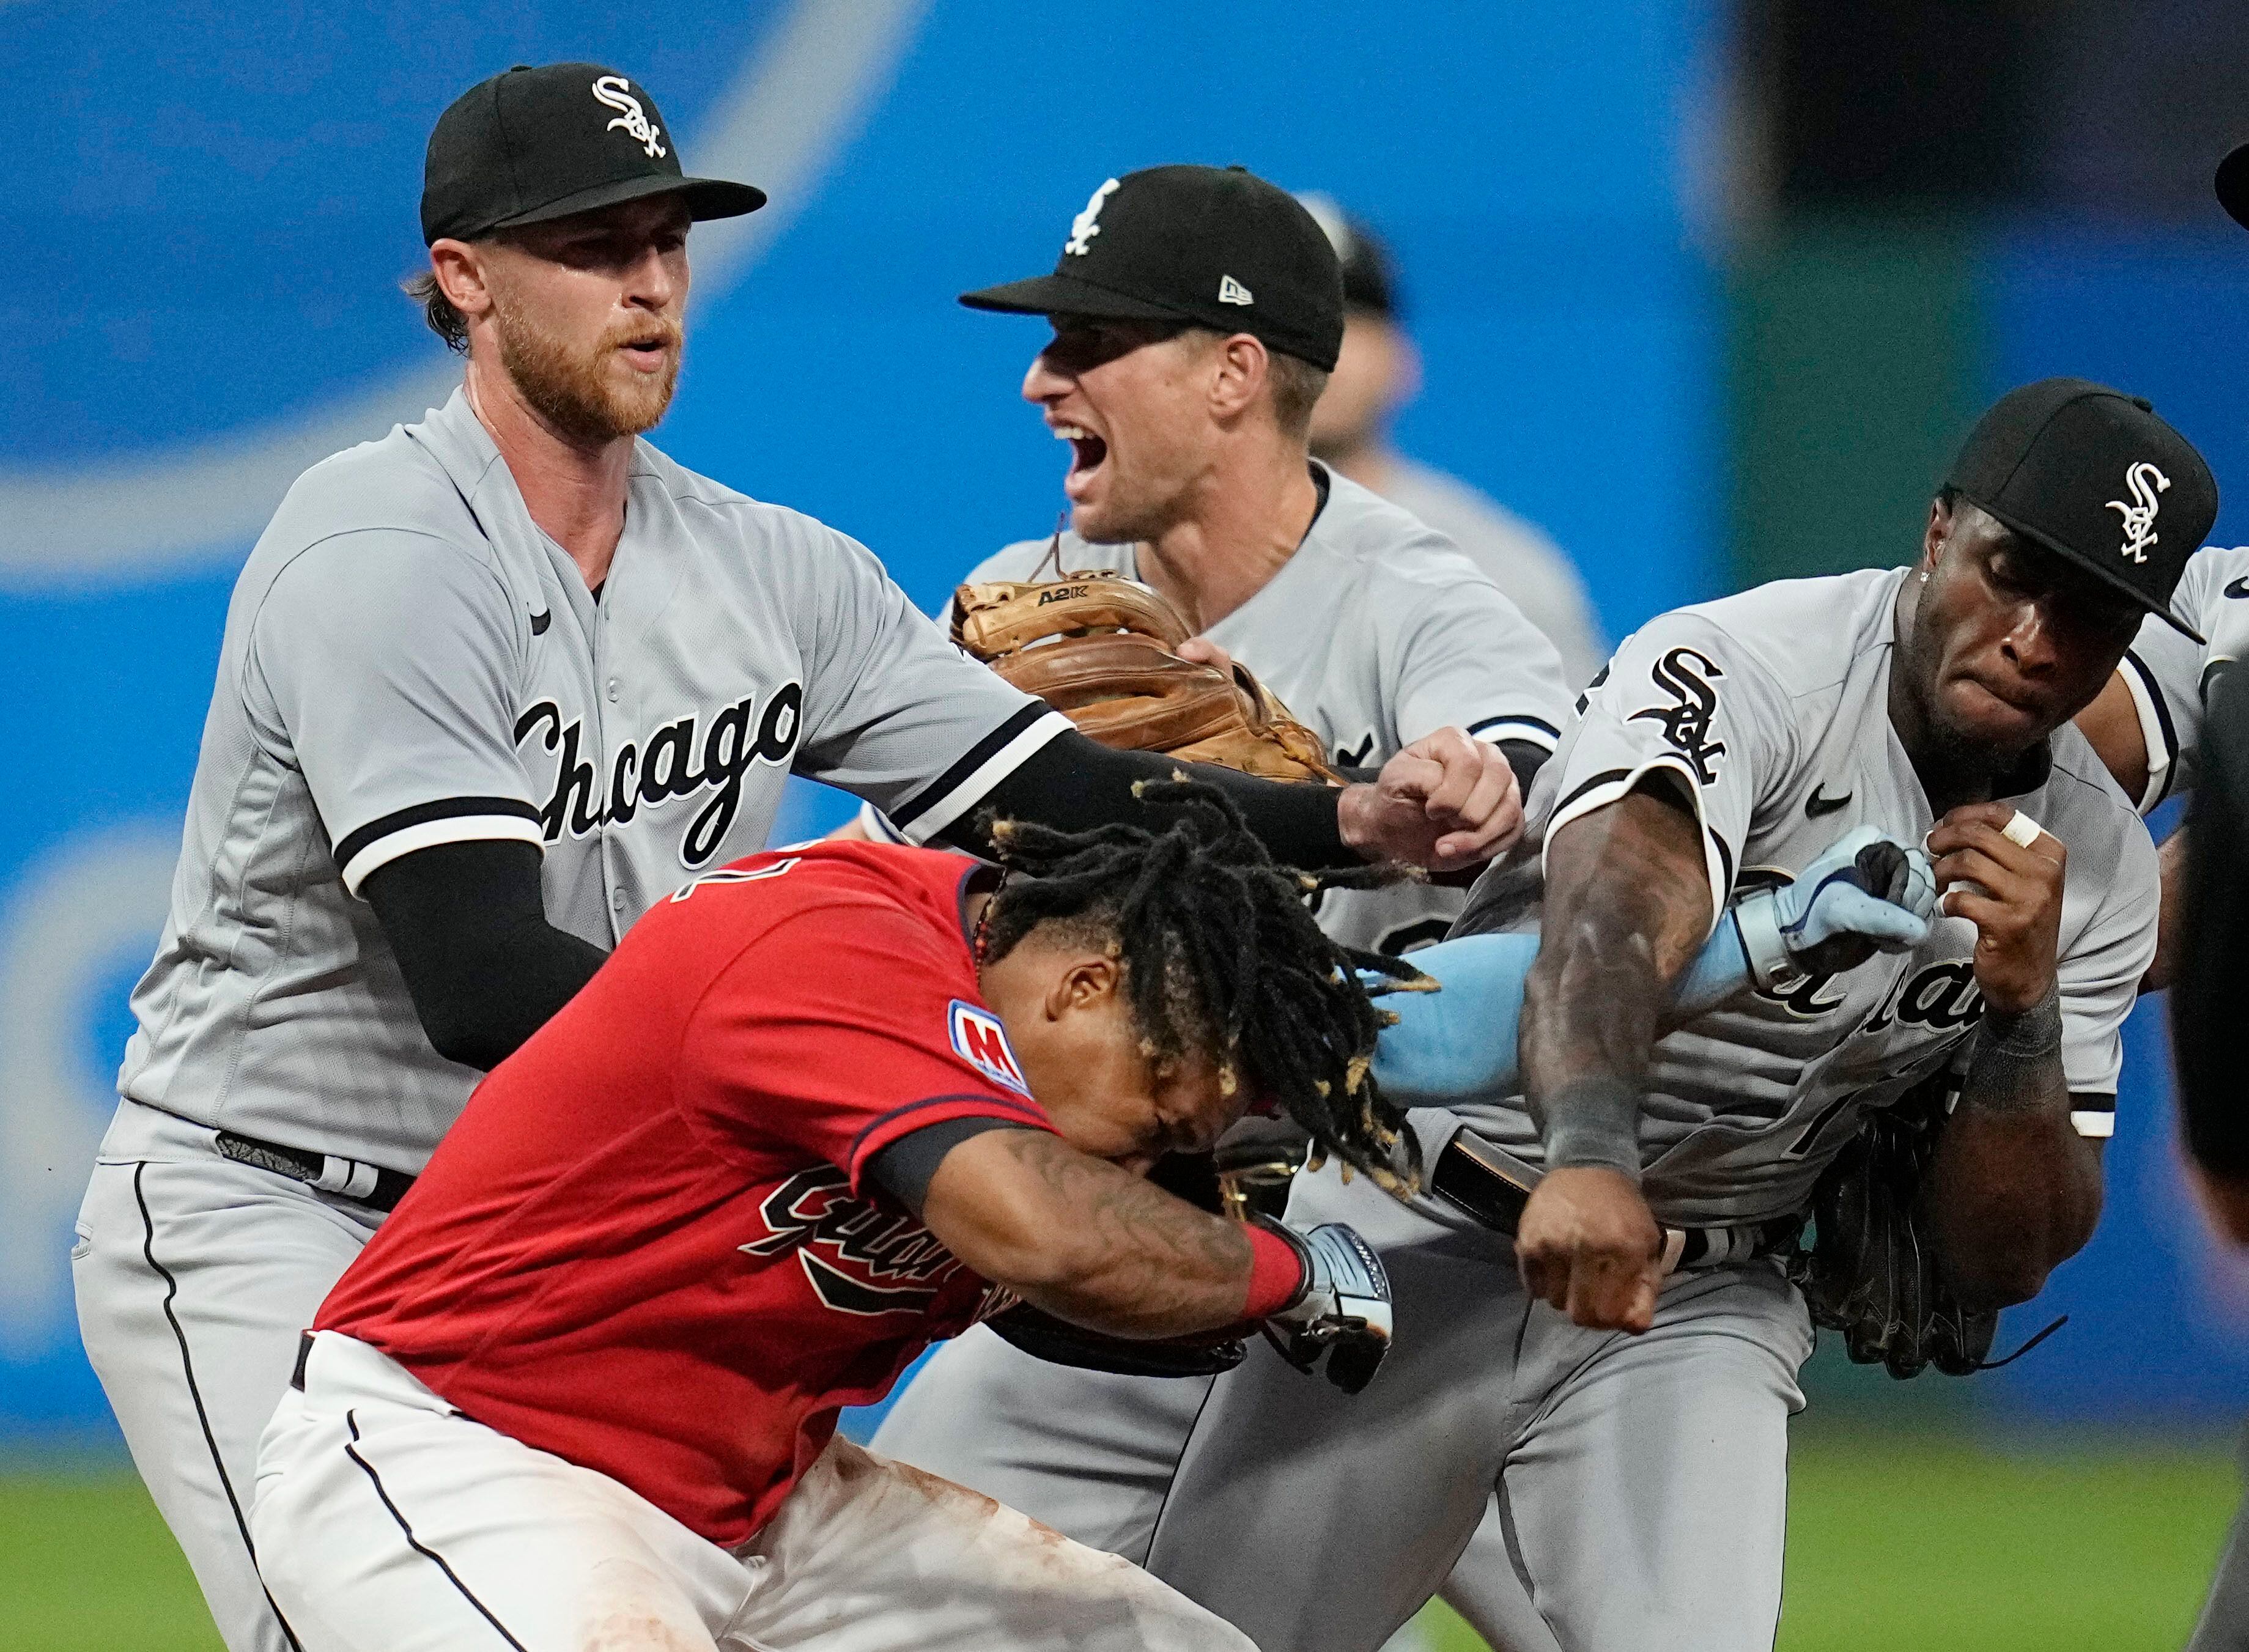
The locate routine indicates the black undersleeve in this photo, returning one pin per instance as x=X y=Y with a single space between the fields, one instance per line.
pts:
x=904 y=1169
x=1073 y=784
x=484 y=968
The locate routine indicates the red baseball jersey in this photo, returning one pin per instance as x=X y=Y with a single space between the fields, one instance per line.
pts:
x=647 y=1247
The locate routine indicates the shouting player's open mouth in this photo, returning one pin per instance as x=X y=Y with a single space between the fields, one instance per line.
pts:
x=1087 y=454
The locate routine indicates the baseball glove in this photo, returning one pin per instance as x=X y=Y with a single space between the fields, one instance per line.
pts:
x=1102 y=651
x=1872 y=1271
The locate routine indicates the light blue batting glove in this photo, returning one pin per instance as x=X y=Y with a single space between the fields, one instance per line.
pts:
x=1459 y=1041
x=1864 y=894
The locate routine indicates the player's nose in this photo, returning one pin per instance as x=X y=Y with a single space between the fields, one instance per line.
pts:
x=2029 y=641
x=653 y=283
x=1041 y=384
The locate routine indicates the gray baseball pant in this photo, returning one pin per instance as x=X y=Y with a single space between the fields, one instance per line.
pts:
x=195 y=1275
x=1620 y=1492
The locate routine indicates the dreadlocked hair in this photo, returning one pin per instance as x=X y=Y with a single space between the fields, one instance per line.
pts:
x=1221 y=956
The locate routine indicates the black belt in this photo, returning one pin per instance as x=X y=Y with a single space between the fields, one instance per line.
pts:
x=363 y=1184
x=304 y=1353
x=1479 y=1180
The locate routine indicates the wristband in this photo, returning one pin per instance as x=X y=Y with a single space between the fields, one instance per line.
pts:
x=1276 y=1274
x=2013 y=1054
x=1594 y=1121
x=2037 y=1031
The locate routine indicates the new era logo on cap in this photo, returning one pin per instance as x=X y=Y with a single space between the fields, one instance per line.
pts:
x=1232 y=291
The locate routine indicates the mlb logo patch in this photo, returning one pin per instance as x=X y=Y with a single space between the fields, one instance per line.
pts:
x=980 y=1039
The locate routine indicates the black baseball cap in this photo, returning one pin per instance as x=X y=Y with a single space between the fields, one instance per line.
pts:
x=2233 y=184
x=1217 y=246
x=2096 y=477
x=1370 y=283
x=534 y=144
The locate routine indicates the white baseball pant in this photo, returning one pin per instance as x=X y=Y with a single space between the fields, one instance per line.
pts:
x=386 y=1521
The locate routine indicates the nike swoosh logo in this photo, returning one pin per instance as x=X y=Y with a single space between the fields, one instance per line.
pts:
x=540 y=621
x=1815 y=805
x=2239 y=587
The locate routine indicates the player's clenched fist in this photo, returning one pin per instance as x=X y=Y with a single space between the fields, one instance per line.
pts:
x=1444 y=803
x=2011 y=890
x=1589 y=1245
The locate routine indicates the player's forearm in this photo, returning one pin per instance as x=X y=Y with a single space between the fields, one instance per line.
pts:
x=2013 y=1190
x=1462 y=1041
x=1626 y=906
x=483 y=966
x=1085 y=1241
x=1075 y=784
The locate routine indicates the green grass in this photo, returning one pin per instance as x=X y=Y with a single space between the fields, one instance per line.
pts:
x=86 y=1564
x=1904 y=1540
x=1895 y=1540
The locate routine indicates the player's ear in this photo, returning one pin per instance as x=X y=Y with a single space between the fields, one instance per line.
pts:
x=1087 y=981
x=1239 y=372
x=1406 y=367
x=461 y=275
x=1935 y=536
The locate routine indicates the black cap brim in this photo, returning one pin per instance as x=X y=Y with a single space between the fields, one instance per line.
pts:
x=706 y=197
x=2140 y=599
x=1067 y=295
x=2233 y=185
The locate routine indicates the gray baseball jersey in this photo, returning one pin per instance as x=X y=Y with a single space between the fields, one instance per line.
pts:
x=2170 y=674
x=1770 y=709
x=1518 y=556
x=1376 y=632
x=408 y=660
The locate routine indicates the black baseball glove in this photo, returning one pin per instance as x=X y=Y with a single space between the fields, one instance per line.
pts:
x=1871 y=1271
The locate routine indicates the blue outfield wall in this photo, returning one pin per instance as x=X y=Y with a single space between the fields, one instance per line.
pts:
x=219 y=211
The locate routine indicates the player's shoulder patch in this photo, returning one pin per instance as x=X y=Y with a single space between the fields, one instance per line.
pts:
x=980 y=1039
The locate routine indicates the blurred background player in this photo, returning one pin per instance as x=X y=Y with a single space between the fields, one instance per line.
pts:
x=1376 y=374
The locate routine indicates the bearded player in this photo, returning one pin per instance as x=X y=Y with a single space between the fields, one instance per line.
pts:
x=820 y=1107
x=489 y=687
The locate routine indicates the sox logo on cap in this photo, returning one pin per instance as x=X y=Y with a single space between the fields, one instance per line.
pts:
x=614 y=92
x=1087 y=224
x=2144 y=481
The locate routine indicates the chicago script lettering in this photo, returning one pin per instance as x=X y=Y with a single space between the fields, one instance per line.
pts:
x=673 y=762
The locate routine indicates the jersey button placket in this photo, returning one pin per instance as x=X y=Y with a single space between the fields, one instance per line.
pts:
x=614 y=736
